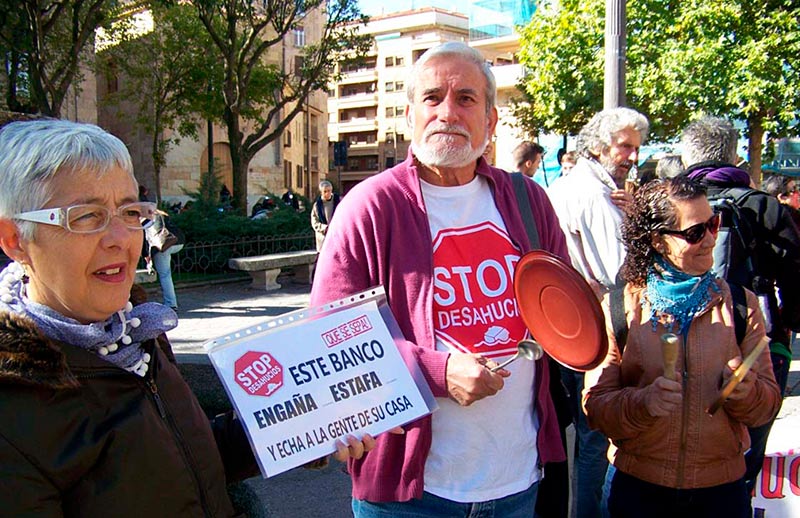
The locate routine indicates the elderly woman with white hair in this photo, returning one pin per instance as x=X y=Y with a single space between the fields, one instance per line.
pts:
x=97 y=419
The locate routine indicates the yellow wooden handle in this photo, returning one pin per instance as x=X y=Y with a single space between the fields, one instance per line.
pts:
x=738 y=375
x=669 y=354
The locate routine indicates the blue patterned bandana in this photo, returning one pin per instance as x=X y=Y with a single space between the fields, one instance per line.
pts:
x=117 y=340
x=676 y=297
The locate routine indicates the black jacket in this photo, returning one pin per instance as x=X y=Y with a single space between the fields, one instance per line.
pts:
x=82 y=437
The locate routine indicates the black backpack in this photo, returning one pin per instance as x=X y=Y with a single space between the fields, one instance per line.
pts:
x=736 y=253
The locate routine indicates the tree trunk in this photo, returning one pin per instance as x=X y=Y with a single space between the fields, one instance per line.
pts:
x=240 y=161
x=755 y=131
x=157 y=160
x=157 y=153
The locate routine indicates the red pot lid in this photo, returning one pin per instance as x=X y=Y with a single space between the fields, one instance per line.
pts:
x=560 y=310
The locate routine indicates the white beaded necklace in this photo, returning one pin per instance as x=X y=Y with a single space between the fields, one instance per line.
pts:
x=12 y=288
x=141 y=366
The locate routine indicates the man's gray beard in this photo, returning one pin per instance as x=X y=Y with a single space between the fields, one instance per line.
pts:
x=611 y=169
x=448 y=157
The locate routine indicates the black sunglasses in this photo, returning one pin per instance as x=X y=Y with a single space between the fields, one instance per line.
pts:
x=696 y=233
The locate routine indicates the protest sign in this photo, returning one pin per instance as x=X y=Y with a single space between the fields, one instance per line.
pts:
x=777 y=489
x=304 y=380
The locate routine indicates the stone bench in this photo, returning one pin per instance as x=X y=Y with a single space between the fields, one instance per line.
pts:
x=264 y=269
x=143 y=276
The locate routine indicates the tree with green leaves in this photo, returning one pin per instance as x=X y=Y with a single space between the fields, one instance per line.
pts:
x=562 y=49
x=741 y=59
x=44 y=44
x=260 y=94
x=732 y=58
x=162 y=75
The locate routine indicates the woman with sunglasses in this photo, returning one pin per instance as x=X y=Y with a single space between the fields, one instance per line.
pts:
x=672 y=457
x=96 y=418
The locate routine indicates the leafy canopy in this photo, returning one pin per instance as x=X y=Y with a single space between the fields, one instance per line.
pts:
x=685 y=58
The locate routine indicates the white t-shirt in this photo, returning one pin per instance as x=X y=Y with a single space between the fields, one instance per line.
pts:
x=486 y=450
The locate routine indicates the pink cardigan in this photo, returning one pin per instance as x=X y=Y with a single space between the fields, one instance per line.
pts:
x=381 y=236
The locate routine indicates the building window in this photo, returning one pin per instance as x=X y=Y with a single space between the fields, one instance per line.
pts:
x=298 y=176
x=287 y=138
x=112 y=81
x=298 y=65
x=394 y=61
x=394 y=86
x=395 y=111
x=314 y=128
x=300 y=37
x=287 y=174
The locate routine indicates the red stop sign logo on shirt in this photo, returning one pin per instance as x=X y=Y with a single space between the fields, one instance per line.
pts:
x=474 y=307
x=258 y=373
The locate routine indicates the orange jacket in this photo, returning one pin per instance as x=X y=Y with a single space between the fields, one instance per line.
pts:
x=690 y=448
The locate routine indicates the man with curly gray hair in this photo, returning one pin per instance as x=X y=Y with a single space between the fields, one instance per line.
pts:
x=589 y=203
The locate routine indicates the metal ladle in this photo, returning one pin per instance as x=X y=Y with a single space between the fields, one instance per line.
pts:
x=528 y=349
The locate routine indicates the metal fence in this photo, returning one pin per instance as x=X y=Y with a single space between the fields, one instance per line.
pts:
x=208 y=258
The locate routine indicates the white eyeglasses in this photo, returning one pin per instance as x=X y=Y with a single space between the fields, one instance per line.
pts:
x=89 y=218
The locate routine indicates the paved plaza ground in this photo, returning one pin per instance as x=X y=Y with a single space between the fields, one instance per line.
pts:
x=215 y=310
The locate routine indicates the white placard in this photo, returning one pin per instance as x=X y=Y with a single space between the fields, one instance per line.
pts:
x=777 y=491
x=303 y=380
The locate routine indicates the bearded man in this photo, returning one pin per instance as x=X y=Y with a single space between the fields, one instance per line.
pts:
x=442 y=233
x=589 y=202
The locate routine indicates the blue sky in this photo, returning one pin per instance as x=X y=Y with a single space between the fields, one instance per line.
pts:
x=374 y=7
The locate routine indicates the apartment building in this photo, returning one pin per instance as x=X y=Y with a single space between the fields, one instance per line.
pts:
x=508 y=72
x=366 y=107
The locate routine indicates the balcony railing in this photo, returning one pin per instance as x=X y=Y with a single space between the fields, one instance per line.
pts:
x=360 y=100
x=507 y=76
x=358 y=76
x=358 y=124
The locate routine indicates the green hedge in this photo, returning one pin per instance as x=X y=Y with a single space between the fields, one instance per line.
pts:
x=205 y=226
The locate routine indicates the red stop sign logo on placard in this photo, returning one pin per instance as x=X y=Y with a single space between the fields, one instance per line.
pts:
x=474 y=307
x=258 y=373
